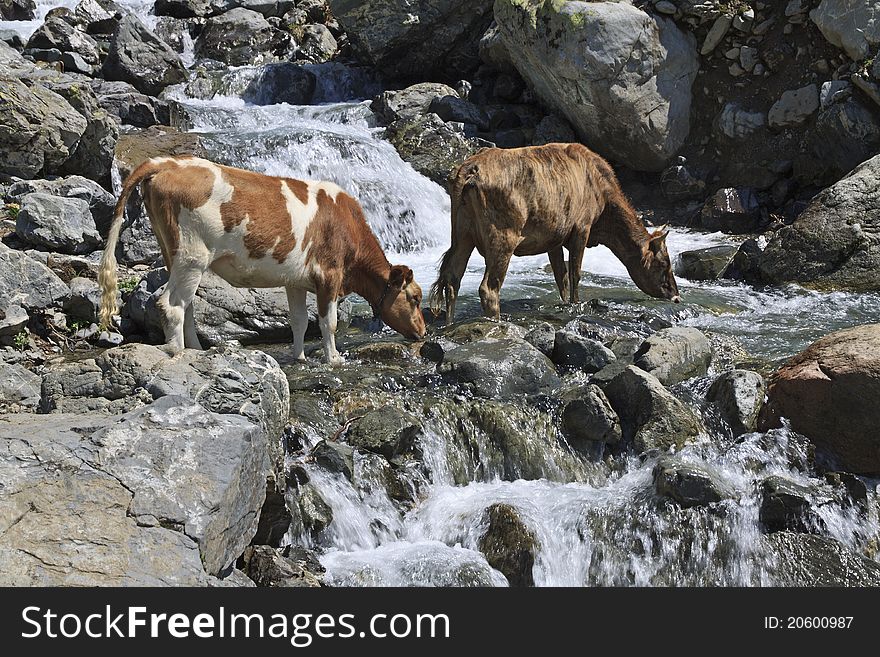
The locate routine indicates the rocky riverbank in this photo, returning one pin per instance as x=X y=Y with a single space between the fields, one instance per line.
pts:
x=615 y=442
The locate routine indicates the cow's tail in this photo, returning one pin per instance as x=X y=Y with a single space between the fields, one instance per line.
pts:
x=445 y=288
x=107 y=271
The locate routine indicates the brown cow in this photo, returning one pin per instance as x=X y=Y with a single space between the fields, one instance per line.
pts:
x=261 y=231
x=526 y=201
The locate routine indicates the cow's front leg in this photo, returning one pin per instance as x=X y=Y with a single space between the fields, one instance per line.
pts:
x=327 y=303
x=560 y=273
x=493 y=279
x=299 y=320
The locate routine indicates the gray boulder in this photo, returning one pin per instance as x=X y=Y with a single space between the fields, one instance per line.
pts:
x=576 y=351
x=620 y=76
x=18 y=385
x=675 y=354
x=13 y=319
x=731 y=210
x=739 y=396
x=787 y=505
x=433 y=39
x=84 y=301
x=453 y=108
x=589 y=417
x=852 y=26
x=810 y=560
x=705 y=264
x=794 y=107
x=317 y=44
x=130 y=106
x=59 y=34
x=737 y=123
x=409 y=103
x=28 y=283
x=139 y=57
x=101 y=202
x=499 y=368
x=542 y=337
x=57 y=223
x=240 y=37
x=509 y=545
x=17 y=10
x=832 y=244
x=688 y=484
x=650 y=416
x=292 y=567
x=281 y=82
x=387 y=431
x=96 y=16
x=39 y=130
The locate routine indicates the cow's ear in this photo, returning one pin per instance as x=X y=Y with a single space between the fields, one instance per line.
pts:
x=658 y=240
x=400 y=276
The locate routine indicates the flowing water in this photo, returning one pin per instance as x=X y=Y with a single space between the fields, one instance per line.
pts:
x=594 y=521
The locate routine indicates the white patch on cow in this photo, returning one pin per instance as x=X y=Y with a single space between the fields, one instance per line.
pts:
x=331 y=189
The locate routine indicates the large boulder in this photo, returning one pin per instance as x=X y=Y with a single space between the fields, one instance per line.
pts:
x=705 y=264
x=17 y=10
x=18 y=386
x=810 y=560
x=675 y=354
x=853 y=25
x=739 y=396
x=620 y=76
x=57 y=224
x=101 y=202
x=139 y=57
x=57 y=33
x=588 y=417
x=28 y=283
x=96 y=16
x=833 y=244
x=387 y=431
x=650 y=416
x=410 y=102
x=418 y=39
x=829 y=394
x=156 y=497
x=39 y=130
x=240 y=37
x=509 y=545
x=578 y=352
x=292 y=567
x=499 y=368
x=689 y=484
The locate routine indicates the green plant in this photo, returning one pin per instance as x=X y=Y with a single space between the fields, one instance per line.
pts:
x=129 y=284
x=21 y=340
x=74 y=325
x=12 y=209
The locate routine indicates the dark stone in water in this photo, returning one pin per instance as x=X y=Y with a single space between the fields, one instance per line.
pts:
x=688 y=484
x=542 y=338
x=274 y=519
x=573 y=350
x=509 y=546
x=335 y=457
x=732 y=211
x=851 y=490
x=810 y=560
x=786 y=505
x=293 y=567
x=387 y=431
x=588 y=417
x=705 y=264
x=281 y=83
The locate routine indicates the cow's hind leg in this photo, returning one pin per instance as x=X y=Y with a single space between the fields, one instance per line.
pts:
x=575 y=261
x=560 y=273
x=190 y=337
x=299 y=320
x=451 y=271
x=493 y=279
x=183 y=281
x=327 y=302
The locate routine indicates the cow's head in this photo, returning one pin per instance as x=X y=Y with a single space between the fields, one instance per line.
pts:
x=401 y=308
x=654 y=274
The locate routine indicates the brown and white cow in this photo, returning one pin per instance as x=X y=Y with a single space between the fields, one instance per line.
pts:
x=539 y=199
x=260 y=231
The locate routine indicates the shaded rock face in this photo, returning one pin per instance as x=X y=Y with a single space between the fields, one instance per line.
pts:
x=735 y=211
x=739 y=395
x=93 y=500
x=851 y=26
x=688 y=484
x=638 y=114
x=56 y=223
x=139 y=57
x=829 y=394
x=100 y=201
x=810 y=560
x=589 y=417
x=28 y=283
x=575 y=351
x=409 y=103
x=786 y=505
x=705 y=264
x=499 y=368
x=509 y=545
x=240 y=37
x=675 y=354
x=17 y=10
x=418 y=39
x=39 y=130
x=57 y=33
x=292 y=567
x=650 y=416
x=386 y=431
x=833 y=244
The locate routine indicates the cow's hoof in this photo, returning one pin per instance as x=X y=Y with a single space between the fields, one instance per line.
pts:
x=336 y=360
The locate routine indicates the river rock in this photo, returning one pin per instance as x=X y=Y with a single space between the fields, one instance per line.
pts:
x=240 y=37
x=39 y=130
x=705 y=264
x=737 y=123
x=84 y=301
x=731 y=210
x=269 y=567
x=794 y=107
x=553 y=129
x=493 y=51
x=130 y=106
x=18 y=385
x=787 y=505
x=650 y=416
x=810 y=560
x=17 y=10
x=543 y=338
x=139 y=57
x=739 y=396
x=68 y=520
x=499 y=368
x=433 y=39
x=57 y=223
x=832 y=244
x=59 y=34
x=317 y=44
x=387 y=431
x=675 y=354
x=101 y=202
x=589 y=417
x=208 y=8
x=96 y=16
x=409 y=103
x=571 y=53
x=430 y=145
x=575 y=351
x=281 y=82
x=335 y=457
x=312 y=512
x=852 y=26
x=28 y=283
x=828 y=392
x=13 y=320
x=509 y=545
x=689 y=484
x=453 y=108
